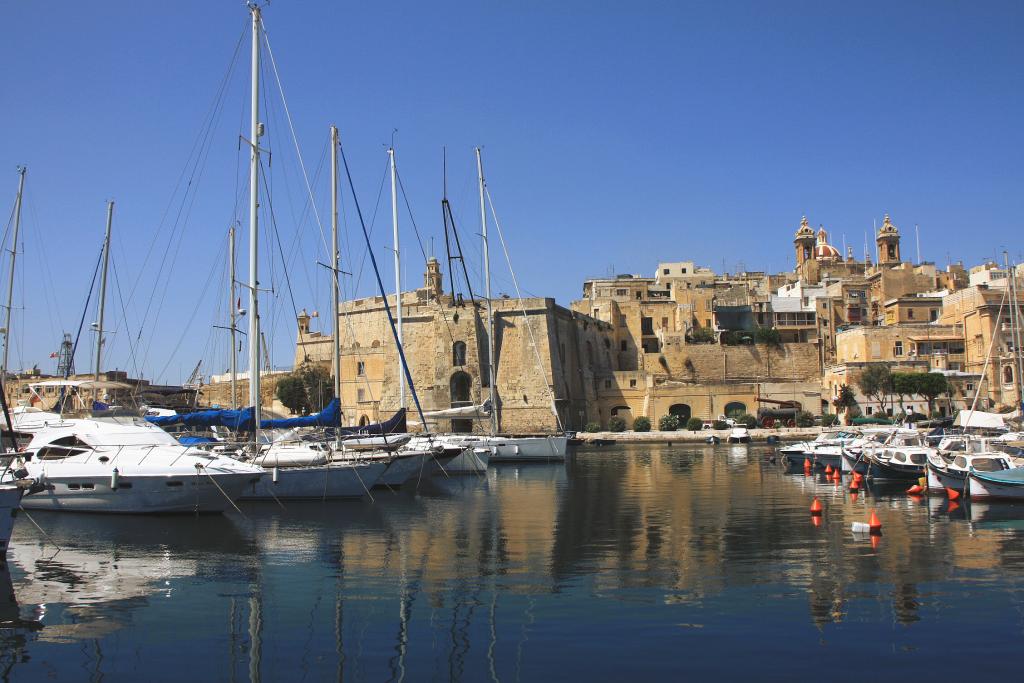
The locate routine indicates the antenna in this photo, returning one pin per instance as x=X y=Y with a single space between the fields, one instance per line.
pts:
x=917 y=235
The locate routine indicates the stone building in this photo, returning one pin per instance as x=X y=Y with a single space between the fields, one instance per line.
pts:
x=545 y=356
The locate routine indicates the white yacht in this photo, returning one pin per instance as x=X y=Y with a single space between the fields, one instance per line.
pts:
x=513 y=449
x=126 y=465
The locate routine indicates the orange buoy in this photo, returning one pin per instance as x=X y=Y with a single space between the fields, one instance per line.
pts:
x=853 y=497
x=875 y=540
x=816 y=520
x=915 y=490
x=807 y=463
x=828 y=470
x=874 y=523
x=952 y=493
x=854 y=485
x=816 y=506
x=953 y=506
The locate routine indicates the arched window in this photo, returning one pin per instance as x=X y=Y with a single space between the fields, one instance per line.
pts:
x=735 y=408
x=624 y=412
x=459 y=354
x=363 y=420
x=1007 y=374
x=680 y=410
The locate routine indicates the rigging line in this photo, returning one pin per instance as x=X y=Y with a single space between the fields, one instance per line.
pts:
x=522 y=307
x=373 y=222
x=195 y=144
x=408 y=208
x=49 y=295
x=124 y=319
x=380 y=284
x=81 y=323
x=280 y=250
x=188 y=325
x=176 y=236
x=295 y=140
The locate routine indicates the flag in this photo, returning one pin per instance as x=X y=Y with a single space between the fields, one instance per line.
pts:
x=53 y=355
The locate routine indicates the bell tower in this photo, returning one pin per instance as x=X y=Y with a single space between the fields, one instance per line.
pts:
x=432 y=279
x=888 y=241
x=804 y=244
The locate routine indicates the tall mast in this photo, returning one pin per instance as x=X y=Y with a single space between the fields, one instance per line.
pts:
x=1015 y=332
x=10 y=276
x=335 y=299
x=255 y=132
x=398 y=273
x=487 y=294
x=233 y=307
x=103 y=292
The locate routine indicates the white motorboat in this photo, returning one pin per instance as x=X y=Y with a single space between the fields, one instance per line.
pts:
x=739 y=435
x=126 y=465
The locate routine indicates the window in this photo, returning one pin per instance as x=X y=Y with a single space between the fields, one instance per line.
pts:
x=459 y=353
x=621 y=292
x=664 y=271
x=632 y=384
x=361 y=395
x=910 y=313
x=897 y=349
x=360 y=368
x=682 y=270
x=639 y=295
x=664 y=323
x=1007 y=374
x=934 y=315
x=646 y=325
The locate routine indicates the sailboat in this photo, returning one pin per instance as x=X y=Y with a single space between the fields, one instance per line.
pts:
x=501 y=448
x=326 y=478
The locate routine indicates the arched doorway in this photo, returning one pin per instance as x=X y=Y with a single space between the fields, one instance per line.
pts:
x=682 y=411
x=735 y=408
x=625 y=413
x=363 y=420
x=460 y=387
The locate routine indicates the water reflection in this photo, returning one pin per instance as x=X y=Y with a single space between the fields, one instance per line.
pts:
x=513 y=575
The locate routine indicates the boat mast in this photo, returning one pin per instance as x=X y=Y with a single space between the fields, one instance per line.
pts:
x=487 y=294
x=255 y=131
x=398 y=273
x=103 y=292
x=1015 y=331
x=10 y=276
x=335 y=299
x=233 y=307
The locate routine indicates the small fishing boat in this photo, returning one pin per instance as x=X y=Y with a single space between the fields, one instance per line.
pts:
x=902 y=457
x=739 y=435
x=1002 y=484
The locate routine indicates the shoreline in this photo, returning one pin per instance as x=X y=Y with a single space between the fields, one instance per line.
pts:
x=683 y=436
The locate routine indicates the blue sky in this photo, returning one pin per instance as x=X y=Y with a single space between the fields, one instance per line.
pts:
x=615 y=135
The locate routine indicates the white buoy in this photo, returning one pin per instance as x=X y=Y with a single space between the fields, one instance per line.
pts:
x=114 y=476
x=273 y=475
x=861 y=528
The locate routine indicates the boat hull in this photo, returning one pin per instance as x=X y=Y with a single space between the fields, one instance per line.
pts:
x=141 y=494
x=526 y=449
x=403 y=468
x=992 y=490
x=10 y=500
x=316 y=483
x=883 y=471
x=469 y=461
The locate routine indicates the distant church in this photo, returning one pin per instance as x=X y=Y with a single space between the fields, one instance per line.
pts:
x=816 y=259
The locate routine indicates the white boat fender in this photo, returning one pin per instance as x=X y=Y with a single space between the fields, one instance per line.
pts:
x=861 y=528
x=273 y=475
x=517 y=449
x=114 y=477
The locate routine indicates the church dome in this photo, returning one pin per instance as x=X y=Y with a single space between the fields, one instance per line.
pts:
x=823 y=251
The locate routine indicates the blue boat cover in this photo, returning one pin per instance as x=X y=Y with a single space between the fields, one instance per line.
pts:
x=239 y=420
x=330 y=416
x=242 y=420
x=195 y=440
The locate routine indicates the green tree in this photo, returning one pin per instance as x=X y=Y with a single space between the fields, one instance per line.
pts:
x=767 y=335
x=307 y=389
x=904 y=384
x=668 y=423
x=747 y=420
x=641 y=424
x=876 y=382
x=846 y=401
x=592 y=427
x=695 y=424
x=702 y=335
x=804 y=419
x=931 y=385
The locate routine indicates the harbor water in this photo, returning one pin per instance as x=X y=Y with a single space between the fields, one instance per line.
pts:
x=633 y=562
